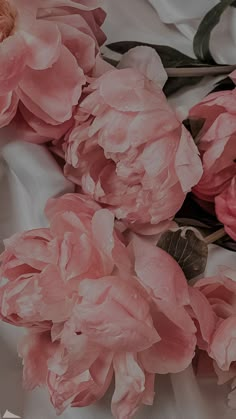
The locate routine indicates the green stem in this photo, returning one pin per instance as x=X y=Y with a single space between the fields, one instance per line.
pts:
x=212 y=238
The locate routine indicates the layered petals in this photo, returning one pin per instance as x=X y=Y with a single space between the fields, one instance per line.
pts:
x=225 y=204
x=128 y=142
x=220 y=292
x=44 y=44
x=36 y=349
x=114 y=314
x=80 y=389
x=131 y=384
x=8 y=108
x=216 y=142
x=43 y=85
x=223 y=346
x=151 y=261
x=46 y=52
x=42 y=268
x=174 y=352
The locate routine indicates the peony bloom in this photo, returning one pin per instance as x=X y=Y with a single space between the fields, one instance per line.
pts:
x=79 y=373
x=216 y=142
x=225 y=205
x=44 y=266
x=52 y=45
x=129 y=152
x=95 y=309
x=220 y=292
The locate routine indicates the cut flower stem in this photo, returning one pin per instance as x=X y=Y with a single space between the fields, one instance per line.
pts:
x=212 y=238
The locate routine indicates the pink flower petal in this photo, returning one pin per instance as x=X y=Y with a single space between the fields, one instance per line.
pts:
x=35 y=130
x=203 y=313
x=44 y=44
x=81 y=45
x=55 y=96
x=79 y=204
x=225 y=205
x=114 y=314
x=13 y=58
x=187 y=158
x=147 y=61
x=81 y=389
x=129 y=385
x=173 y=353
x=132 y=95
x=8 y=108
x=159 y=273
x=35 y=349
x=223 y=346
x=34 y=248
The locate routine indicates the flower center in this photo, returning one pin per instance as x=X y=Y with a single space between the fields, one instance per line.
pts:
x=7 y=19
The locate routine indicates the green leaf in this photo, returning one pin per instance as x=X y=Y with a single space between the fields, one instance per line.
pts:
x=170 y=56
x=174 y=84
x=225 y=84
x=202 y=38
x=187 y=246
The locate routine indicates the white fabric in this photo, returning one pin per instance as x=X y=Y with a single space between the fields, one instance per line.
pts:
x=30 y=177
x=187 y=15
x=178 y=11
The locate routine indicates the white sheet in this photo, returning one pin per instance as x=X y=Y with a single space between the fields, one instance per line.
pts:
x=30 y=177
x=186 y=16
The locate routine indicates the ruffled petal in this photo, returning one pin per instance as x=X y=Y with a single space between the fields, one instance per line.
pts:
x=84 y=388
x=129 y=385
x=8 y=108
x=173 y=353
x=124 y=90
x=44 y=44
x=147 y=61
x=113 y=314
x=55 y=96
x=188 y=164
x=13 y=58
x=82 y=46
x=204 y=315
x=223 y=345
x=36 y=349
x=35 y=130
x=159 y=273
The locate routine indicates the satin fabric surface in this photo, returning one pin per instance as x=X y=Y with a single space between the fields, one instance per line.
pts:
x=29 y=176
x=186 y=16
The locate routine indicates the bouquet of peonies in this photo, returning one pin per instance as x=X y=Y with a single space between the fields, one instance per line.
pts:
x=111 y=287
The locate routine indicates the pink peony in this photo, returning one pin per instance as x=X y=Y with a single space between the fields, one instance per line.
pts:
x=220 y=291
x=216 y=142
x=46 y=48
x=42 y=265
x=95 y=309
x=226 y=208
x=129 y=152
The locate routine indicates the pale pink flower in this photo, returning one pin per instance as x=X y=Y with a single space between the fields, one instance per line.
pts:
x=220 y=291
x=130 y=327
x=129 y=152
x=216 y=142
x=225 y=205
x=95 y=308
x=147 y=61
x=46 y=49
x=79 y=373
x=44 y=266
